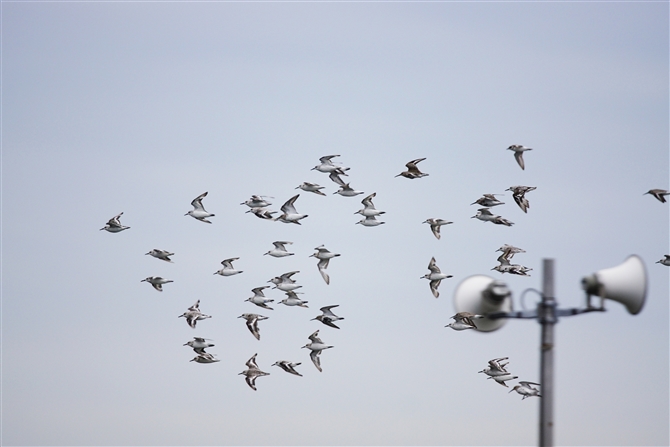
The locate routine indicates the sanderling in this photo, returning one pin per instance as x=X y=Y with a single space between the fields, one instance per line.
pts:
x=658 y=193
x=198 y=211
x=293 y=300
x=467 y=318
x=287 y=366
x=328 y=317
x=193 y=315
x=369 y=207
x=519 y=196
x=526 y=389
x=228 y=269
x=506 y=267
x=113 y=225
x=316 y=346
x=370 y=221
x=285 y=282
x=259 y=298
x=488 y=200
x=157 y=282
x=496 y=367
x=256 y=202
x=510 y=250
x=160 y=254
x=435 y=277
x=262 y=213
x=324 y=256
x=665 y=261
x=289 y=214
x=280 y=249
x=204 y=358
x=199 y=344
x=311 y=187
x=413 y=171
x=485 y=215
x=327 y=165
x=435 y=225
x=347 y=191
x=518 y=153
x=252 y=323
x=252 y=372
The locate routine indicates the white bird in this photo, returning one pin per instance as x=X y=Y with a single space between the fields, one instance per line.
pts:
x=526 y=389
x=323 y=253
x=347 y=191
x=262 y=213
x=193 y=315
x=160 y=254
x=369 y=207
x=113 y=225
x=205 y=358
x=370 y=221
x=488 y=200
x=518 y=153
x=198 y=211
x=289 y=213
x=435 y=225
x=287 y=366
x=256 y=202
x=506 y=267
x=280 y=249
x=466 y=318
x=519 y=196
x=157 y=282
x=510 y=250
x=311 y=187
x=285 y=282
x=435 y=277
x=252 y=323
x=665 y=261
x=327 y=165
x=228 y=269
x=324 y=256
x=496 y=367
x=199 y=344
x=413 y=171
x=293 y=300
x=327 y=316
x=259 y=298
x=657 y=193
x=460 y=326
x=316 y=346
x=485 y=215
x=252 y=372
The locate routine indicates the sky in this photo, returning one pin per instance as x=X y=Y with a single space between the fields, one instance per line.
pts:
x=139 y=107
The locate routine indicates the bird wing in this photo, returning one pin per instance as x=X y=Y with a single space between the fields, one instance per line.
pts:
x=432 y=266
x=197 y=202
x=315 y=337
x=433 y=287
x=251 y=363
x=326 y=310
x=314 y=355
x=518 y=155
x=288 y=207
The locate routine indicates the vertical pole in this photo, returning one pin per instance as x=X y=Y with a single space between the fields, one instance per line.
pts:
x=547 y=318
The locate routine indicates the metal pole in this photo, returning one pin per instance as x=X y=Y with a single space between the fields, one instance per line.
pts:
x=547 y=318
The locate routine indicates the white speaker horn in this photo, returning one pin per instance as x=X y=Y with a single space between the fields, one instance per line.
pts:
x=482 y=295
x=625 y=283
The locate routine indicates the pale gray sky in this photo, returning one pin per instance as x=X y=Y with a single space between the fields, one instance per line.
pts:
x=112 y=107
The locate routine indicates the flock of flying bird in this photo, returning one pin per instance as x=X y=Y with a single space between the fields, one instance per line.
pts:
x=258 y=205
